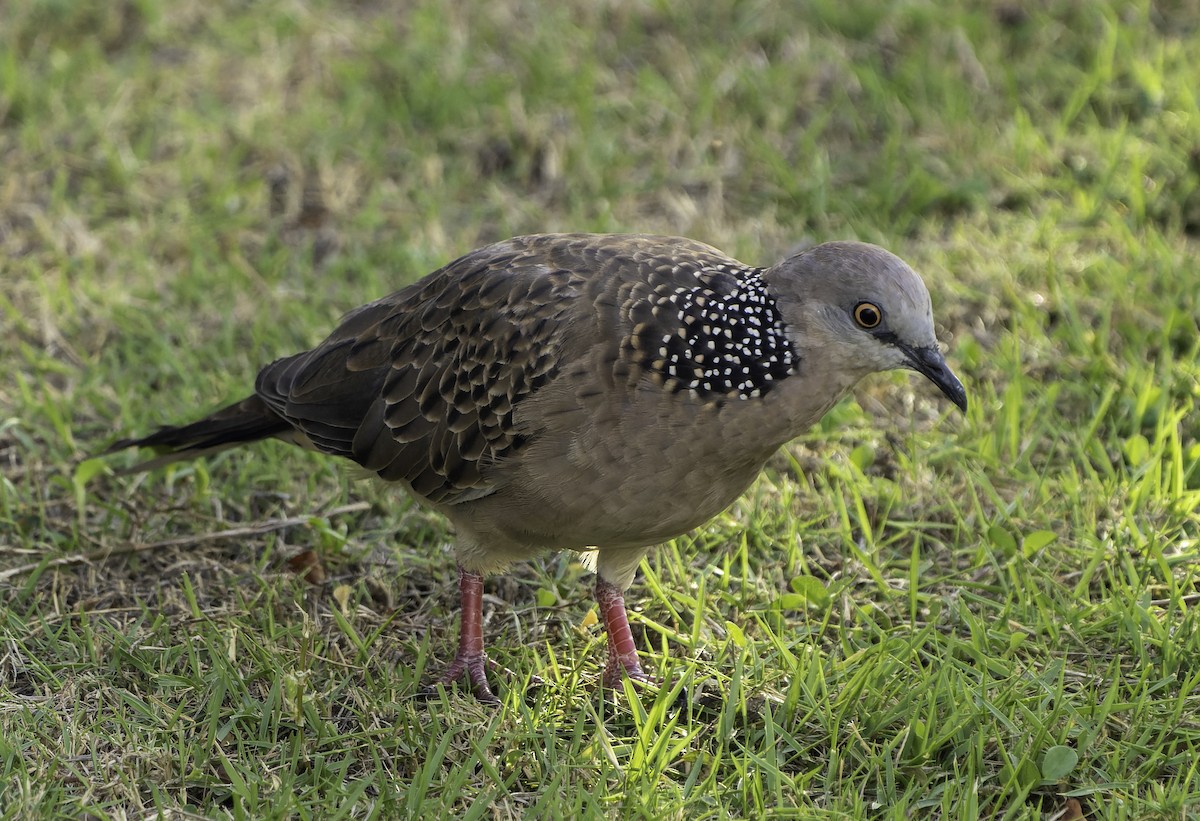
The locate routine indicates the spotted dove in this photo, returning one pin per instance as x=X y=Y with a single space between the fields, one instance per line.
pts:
x=577 y=391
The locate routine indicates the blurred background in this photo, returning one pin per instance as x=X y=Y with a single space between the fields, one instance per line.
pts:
x=189 y=190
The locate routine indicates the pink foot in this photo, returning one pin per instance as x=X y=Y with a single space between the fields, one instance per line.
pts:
x=623 y=659
x=475 y=666
x=470 y=658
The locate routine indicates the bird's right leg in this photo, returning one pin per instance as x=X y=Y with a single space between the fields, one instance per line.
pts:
x=471 y=658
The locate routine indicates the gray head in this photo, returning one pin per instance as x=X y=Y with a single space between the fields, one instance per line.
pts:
x=861 y=309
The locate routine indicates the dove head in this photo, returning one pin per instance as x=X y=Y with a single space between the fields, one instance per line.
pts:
x=857 y=309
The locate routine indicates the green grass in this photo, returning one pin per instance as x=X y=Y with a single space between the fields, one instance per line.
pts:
x=911 y=615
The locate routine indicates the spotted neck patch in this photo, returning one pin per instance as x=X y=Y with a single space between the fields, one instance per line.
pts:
x=720 y=335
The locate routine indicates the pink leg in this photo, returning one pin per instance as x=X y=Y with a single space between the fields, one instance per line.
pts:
x=622 y=654
x=470 y=658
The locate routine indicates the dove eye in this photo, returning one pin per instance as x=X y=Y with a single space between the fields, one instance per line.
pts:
x=868 y=315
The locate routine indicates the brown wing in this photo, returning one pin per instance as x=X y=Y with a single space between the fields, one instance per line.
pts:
x=420 y=386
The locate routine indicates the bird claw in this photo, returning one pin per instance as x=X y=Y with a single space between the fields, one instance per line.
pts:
x=617 y=670
x=476 y=667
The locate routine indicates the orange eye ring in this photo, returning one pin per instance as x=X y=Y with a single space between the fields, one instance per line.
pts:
x=868 y=315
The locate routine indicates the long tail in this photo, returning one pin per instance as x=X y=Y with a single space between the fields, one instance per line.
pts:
x=246 y=421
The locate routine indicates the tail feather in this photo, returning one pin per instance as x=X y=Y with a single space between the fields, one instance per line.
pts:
x=246 y=421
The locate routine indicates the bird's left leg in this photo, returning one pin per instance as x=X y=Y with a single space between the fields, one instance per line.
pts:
x=622 y=653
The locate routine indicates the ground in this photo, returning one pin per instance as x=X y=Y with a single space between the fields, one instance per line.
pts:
x=911 y=614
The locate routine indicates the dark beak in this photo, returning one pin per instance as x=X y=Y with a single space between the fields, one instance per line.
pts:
x=929 y=361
